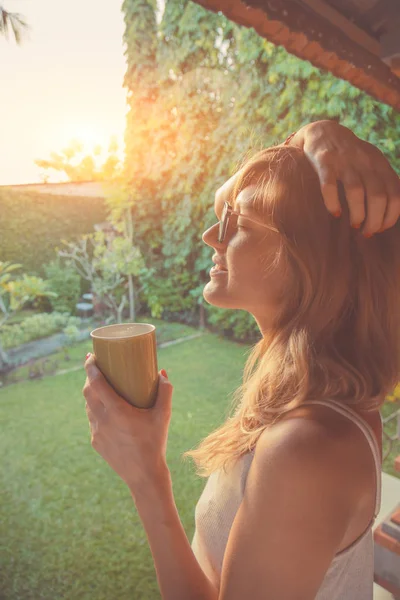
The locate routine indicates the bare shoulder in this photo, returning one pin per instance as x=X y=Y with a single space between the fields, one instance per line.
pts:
x=308 y=424
x=331 y=442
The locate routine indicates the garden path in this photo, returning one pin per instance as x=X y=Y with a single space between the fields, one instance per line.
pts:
x=38 y=348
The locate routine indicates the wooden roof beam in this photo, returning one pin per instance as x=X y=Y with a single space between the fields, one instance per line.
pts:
x=347 y=27
x=391 y=47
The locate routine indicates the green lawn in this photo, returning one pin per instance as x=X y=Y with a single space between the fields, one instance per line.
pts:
x=68 y=523
x=69 y=528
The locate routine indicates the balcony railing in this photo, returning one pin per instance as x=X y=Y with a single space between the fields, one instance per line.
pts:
x=391 y=438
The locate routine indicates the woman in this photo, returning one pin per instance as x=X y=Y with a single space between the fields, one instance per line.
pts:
x=294 y=474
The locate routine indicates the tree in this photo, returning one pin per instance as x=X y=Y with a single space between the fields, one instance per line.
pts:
x=82 y=167
x=108 y=261
x=120 y=205
x=12 y=21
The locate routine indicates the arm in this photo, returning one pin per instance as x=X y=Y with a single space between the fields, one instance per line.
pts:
x=179 y=574
x=121 y=434
x=299 y=499
x=336 y=153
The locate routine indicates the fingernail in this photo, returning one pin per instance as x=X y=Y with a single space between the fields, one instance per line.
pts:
x=87 y=355
x=380 y=230
x=368 y=235
x=164 y=373
x=337 y=213
x=356 y=225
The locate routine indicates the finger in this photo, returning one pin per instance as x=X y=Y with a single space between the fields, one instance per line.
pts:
x=376 y=201
x=100 y=387
x=90 y=363
x=163 y=406
x=324 y=164
x=94 y=407
x=328 y=182
x=392 y=183
x=355 y=196
x=92 y=418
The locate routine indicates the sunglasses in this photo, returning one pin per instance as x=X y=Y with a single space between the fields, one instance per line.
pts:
x=227 y=213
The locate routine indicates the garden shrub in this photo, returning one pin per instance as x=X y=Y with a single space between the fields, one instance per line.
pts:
x=35 y=327
x=237 y=325
x=66 y=282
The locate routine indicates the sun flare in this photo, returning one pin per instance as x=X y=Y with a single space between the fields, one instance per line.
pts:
x=88 y=136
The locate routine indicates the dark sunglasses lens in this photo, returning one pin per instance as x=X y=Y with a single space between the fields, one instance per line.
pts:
x=222 y=224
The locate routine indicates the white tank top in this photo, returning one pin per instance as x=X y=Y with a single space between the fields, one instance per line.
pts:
x=350 y=575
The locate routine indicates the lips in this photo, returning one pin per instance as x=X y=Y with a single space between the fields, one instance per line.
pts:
x=219 y=267
x=219 y=264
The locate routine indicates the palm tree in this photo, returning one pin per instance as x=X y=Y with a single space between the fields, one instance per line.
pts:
x=12 y=21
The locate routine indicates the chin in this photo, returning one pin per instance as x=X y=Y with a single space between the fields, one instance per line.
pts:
x=219 y=297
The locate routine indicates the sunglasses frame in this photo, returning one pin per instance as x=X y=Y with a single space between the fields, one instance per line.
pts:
x=227 y=212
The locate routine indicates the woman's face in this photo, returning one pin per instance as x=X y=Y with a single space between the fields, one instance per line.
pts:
x=246 y=252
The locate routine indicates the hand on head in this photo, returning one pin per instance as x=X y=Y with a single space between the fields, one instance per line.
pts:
x=371 y=185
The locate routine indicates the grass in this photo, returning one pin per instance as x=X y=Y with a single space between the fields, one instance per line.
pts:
x=68 y=524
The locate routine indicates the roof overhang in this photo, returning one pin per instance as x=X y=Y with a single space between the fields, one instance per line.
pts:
x=316 y=31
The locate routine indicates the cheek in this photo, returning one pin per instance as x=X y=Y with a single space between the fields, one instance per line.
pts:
x=244 y=265
x=240 y=255
x=255 y=262
x=274 y=274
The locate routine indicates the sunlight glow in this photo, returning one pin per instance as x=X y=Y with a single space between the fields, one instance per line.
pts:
x=89 y=136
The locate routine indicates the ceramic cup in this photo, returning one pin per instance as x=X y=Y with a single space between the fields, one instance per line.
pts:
x=126 y=354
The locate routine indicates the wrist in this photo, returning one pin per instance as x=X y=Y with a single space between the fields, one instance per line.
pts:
x=151 y=483
x=311 y=131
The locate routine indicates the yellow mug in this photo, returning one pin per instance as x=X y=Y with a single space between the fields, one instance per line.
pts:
x=126 y=354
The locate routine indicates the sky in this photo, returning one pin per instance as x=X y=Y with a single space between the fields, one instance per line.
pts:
x=63 y=82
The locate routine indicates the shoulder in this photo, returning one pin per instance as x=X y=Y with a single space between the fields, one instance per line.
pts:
x=304 y=443
x=313 y=438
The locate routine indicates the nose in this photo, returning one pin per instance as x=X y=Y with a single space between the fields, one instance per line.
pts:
x=210 y=236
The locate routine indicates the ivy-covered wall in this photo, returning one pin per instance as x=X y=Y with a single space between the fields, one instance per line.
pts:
x=32 y=225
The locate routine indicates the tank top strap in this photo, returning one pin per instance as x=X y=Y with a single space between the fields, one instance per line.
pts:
x=369 y=434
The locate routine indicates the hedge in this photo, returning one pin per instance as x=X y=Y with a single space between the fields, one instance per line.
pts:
x=32 y=225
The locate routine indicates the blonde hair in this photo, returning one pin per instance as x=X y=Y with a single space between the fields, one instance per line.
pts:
x=336 y=332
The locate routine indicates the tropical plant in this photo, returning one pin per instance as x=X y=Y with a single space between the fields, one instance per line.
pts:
x=14 y=294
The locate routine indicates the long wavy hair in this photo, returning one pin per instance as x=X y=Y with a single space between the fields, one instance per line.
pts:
x=336 y=333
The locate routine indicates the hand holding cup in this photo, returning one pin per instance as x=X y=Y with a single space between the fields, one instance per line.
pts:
x=131 y=439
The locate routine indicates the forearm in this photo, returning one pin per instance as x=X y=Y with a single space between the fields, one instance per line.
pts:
x=179 y=574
